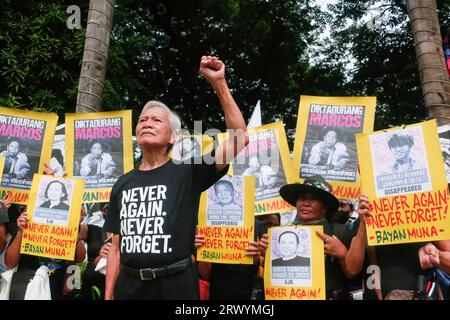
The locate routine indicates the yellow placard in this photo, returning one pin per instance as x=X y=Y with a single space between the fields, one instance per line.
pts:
x=189 y=146
x=54 y=212
x=402 y=173
x=226 y=219
x=294 y=267
x=26 y=139
x=267 y=158
x=98 y=150
x=325 y=140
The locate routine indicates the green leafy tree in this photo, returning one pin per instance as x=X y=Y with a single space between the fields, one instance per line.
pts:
x=39 y=56
x=377 y=36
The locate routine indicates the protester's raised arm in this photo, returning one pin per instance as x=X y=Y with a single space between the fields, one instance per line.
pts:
x=214 y=71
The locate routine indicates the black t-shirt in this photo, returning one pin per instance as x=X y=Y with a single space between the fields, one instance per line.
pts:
x=3 y=213
x=335 y=279
x=95 y=240
x=235 y=281
x=399 y=267
x=155 y=212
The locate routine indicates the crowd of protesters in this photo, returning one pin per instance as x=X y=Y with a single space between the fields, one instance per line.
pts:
x=114 y=270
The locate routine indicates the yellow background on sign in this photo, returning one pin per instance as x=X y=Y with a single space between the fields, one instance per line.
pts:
x=20 y=196
x=402 y=231
x=93 y=195
x=249 y=199
x=318 y=270
x=40 y=231
x=341 y=189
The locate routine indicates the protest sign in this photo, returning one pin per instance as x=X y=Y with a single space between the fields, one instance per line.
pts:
x=444 y=140
x=267 y=158
x=26 y=139
x=325 y=140
x=54 y=211
x=189 y=146
x=226 y=218
x=58 y=162
x=402 y=173
x=294 y=267
x=98 y=150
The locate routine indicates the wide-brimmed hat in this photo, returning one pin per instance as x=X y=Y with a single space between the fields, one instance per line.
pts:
x=315 y=185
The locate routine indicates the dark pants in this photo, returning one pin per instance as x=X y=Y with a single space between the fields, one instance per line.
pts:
x=178 y=286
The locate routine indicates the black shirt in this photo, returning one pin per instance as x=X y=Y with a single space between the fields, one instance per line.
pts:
x=235 y=281
x=399 y=267
x=155 y=212
x=335 y=279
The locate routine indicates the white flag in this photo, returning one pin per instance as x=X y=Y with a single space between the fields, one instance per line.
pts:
x=255 y=119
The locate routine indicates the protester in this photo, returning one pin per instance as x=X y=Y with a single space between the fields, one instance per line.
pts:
x=315 y=206
x=27 y=265
x=98 y=246
x=344 y=214
x=399 y=265
x=270 y=220
x=4 y=219
x=155 y=262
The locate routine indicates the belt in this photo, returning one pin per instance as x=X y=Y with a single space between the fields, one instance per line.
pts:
x=155 y=273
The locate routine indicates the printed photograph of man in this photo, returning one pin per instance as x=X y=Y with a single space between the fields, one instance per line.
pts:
x=186 y=148
x=288 y=245
x=225 y=194
x=400 y=146
x=98 y=163
x=329 y=152
x=16 y=161
x=265 y=175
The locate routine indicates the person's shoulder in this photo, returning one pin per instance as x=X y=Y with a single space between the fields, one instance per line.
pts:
x=22 y=156
x=266 y=170
x=341 y=146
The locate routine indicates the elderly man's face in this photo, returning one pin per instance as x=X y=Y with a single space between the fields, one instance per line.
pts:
x=13 y=147
x=96 y=149
x=153 y=129
x=310 y=208
x=330 y=137
x=254 y=163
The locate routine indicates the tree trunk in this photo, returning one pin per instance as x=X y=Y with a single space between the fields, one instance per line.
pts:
x=430 y=58
x=95 y=56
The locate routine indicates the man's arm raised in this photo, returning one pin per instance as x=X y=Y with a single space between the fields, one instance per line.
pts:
x=214 y=71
